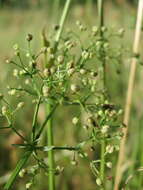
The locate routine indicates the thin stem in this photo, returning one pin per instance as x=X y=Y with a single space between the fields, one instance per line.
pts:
x=101 y=16
x=129 y=95
x=102 y=165
x=50 y=133
x=62 y=22
x=35 y=118
x=101 y=34
x=50 y=153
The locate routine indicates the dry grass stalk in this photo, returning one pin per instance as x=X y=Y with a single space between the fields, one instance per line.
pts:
x=129 y=95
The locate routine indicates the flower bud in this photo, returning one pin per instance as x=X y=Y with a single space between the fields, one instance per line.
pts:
x=60 y=59
x=98 y=182
x=104 y=129
x=70 y=71
x=82 y=71
x=12 y=92
x=109 y=149
x=85 y=55
x=46 y=91
x=75 y=88
x=75 y=120
x=29 y=37
x=46 y=72
x=4 y=110
x=20 y=105
x=109 y=164
x=15 y=73
x=22 y=173
x=28 y=185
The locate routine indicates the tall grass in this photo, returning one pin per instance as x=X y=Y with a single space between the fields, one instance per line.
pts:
x=129 y=96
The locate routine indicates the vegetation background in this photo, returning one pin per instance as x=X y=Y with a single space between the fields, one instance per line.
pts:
x=17 y=18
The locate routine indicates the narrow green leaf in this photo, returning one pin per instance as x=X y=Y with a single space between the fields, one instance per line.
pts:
x=17 y=169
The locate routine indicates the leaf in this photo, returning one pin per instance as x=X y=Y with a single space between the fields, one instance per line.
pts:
x=17 y=169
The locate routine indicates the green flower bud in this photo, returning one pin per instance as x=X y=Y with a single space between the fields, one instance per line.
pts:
x=46 y=72
x=109 y=164
x=20 y=105
x=4 y=110
x=75 y=88
x=98 y=182
x=75 y=120
x=60 y=59
x=12 y=92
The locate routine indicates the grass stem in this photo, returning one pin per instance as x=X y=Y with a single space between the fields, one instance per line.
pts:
x=129 y=95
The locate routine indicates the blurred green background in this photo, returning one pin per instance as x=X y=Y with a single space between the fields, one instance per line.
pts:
x=19 y=17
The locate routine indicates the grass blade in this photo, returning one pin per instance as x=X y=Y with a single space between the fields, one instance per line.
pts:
x=17 y=169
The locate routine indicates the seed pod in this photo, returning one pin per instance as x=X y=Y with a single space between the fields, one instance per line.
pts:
x=109 y=164
x=91 y=121
x=15 y=73
x=46 y=91
x=28 y=185
x=82 y=71
x=74 y=163
x=75 y=88
x=60 y=59
x=20 y=105
x=22 y=173
x=104 y=129
x=121 y=32
x=98 y=182
x=46 y=72
x=70 y=71
x=29 y=37
x=52 y=70
x=85 y=54
x=4 y=110
x=75 y=120
x=12 y=92
x=27 y=81
x=109 y=149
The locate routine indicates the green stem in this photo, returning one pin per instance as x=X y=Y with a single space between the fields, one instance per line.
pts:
x=102 y=164
x=51 y=160
x=101 y=34
x=62 y=22
x=49 y=107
